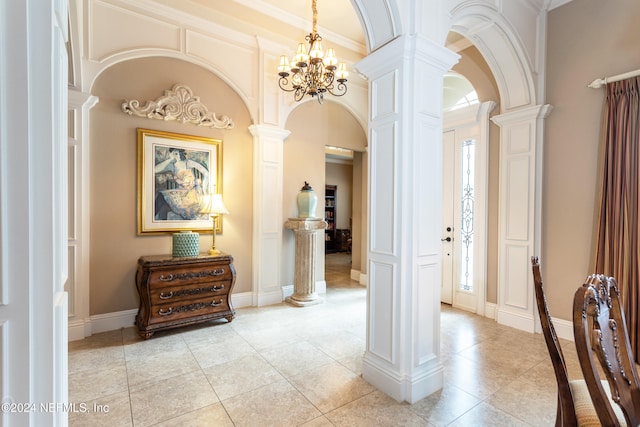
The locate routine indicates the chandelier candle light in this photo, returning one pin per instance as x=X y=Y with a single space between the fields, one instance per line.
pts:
x=314 y=71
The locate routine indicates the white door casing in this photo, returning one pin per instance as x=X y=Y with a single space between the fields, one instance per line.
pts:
x=448 y=206
x=466 y=124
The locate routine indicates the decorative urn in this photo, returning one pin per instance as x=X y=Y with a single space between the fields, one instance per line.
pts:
x=307 y=202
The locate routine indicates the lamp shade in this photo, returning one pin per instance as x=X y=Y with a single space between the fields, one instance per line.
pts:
x=213 y=205
x=217 y=206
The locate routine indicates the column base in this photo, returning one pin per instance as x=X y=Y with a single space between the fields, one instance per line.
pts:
x=303 y=303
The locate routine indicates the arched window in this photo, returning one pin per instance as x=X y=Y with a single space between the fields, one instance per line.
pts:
x=458 y=92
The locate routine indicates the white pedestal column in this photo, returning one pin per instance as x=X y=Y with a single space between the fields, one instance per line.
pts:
x=304 y=282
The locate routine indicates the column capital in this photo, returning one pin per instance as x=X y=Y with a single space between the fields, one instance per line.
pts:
x=522 y=115
x=307 y=224
x=407 y=48
x=81 y=99
x=269 y=131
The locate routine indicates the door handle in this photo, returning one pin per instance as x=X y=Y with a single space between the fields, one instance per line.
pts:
x=446 y=239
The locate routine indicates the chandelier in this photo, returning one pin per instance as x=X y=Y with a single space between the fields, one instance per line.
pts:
x=314 y=71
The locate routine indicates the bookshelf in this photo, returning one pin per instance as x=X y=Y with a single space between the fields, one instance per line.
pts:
x=330 y=197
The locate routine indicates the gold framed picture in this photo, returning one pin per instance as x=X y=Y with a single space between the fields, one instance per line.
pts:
x=175 y=172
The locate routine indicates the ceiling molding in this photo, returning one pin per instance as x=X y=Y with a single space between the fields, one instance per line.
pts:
x=556 y=3
x=301 y=23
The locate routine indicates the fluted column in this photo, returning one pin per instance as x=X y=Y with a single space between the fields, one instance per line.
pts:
x=304 y=282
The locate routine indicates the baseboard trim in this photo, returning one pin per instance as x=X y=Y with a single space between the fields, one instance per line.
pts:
x=515 y=320
x=112 y=321
x=268 y=298
x=321 y=288
x=287 y=291
x=80 y=329
x=490 y=310
x=361 y=278
x=564 y=329
x=241 y=300
x=403 y=387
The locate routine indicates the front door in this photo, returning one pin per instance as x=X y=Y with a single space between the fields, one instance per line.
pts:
x=464 y=220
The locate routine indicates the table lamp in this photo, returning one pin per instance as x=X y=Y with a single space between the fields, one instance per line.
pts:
x=215 y=208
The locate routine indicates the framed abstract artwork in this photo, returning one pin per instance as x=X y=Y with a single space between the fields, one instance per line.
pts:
x=175 y=174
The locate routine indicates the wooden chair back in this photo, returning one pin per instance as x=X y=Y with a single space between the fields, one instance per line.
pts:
x=565 y=414
x=603 y=347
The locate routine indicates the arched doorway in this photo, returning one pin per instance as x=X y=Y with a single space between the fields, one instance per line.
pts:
x=313 y=127
x=465 y=203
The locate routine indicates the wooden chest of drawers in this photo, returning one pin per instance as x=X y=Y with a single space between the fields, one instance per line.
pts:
x=177 y=292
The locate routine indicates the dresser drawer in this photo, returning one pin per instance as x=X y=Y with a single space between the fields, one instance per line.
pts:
x=176 y=277
x=169 y=312
x=190 y=291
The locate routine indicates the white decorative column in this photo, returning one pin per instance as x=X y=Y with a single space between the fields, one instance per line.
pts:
x=520 y=210
x=79 y=177
x=304 y=282
x=33 y=213
x=268 y=160
x=402 y=355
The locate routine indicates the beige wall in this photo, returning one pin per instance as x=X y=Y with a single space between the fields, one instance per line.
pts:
x=312 y=127
x=341 y=175
x=587 y=39
x=115 y=245
x=473 y=66
x=359 y=214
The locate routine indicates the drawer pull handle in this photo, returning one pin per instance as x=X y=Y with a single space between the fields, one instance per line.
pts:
x=190 y=307
x=196 y=291
x=191 y=275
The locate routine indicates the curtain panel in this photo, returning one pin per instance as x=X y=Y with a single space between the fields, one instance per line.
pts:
x=618 y=235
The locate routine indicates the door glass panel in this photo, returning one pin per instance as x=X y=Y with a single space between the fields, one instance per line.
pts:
x=466 y=214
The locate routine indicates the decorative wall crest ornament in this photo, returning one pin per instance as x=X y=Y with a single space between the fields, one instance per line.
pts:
x=178 y=104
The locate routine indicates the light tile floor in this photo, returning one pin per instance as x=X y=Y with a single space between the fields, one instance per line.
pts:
x=287 y=366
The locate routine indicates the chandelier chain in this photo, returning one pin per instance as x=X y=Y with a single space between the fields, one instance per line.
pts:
x=314 y=8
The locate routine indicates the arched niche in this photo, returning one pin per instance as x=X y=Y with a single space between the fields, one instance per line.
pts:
x=108 y=162
x=131 y=55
